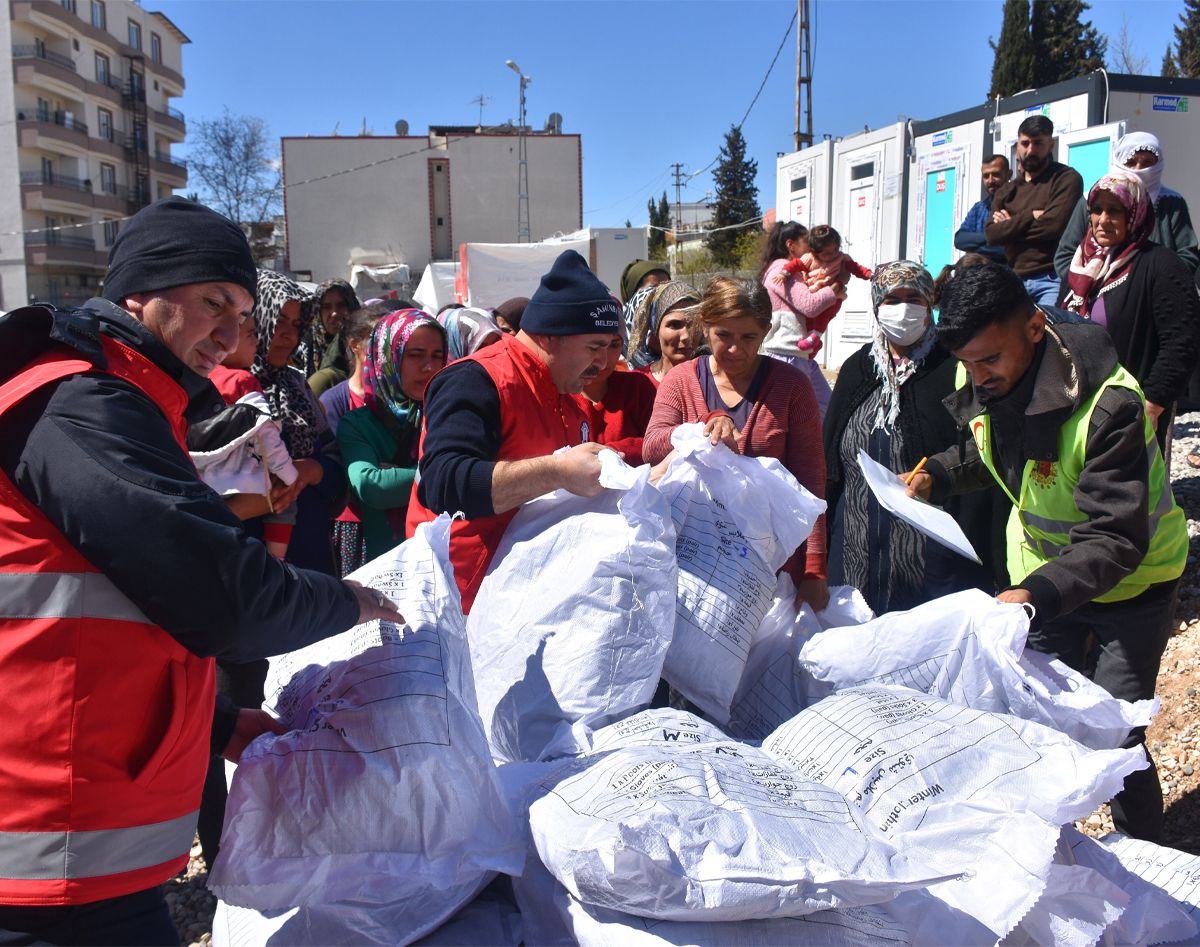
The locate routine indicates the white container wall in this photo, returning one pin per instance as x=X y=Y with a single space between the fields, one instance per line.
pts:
x=867 y=209
x=803 y=182
x=1177 y=128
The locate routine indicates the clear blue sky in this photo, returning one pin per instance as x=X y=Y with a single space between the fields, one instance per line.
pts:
x=647 y=83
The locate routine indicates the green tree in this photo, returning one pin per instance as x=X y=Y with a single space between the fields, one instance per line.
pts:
x=660 y=217
x=1187 y=41
x=1012 y=65
x=1170 y=68
x=1065 y=45
x=736 y=197
x=748 y=247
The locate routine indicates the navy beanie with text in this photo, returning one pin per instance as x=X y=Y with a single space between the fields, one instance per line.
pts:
x=571 y=300
x=174 y=242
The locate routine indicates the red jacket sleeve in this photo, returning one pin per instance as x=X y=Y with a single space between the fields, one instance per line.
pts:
x=804 y=456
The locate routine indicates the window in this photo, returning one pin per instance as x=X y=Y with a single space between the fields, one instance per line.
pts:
x=69 y=5
x=99 y=19
x=51 y=232
x=110 y=232
x=155 y=48
x=860 y=171
x=108 y=178
x=105 y=123
x=102 y=69
x=135 y=34
x=43 y=110
x=800 y=183
x=47 y=171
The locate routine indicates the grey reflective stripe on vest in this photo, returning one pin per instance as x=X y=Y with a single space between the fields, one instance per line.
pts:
x=50 y=856
x=64 y=595
x=1049 y=549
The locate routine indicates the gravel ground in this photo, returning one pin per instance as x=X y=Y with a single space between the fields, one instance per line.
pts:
x=1174 y=737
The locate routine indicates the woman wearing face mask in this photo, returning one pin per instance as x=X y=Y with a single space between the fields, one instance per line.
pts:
x=1139 y=154
x=888 y=402
x=757 y=406
x=379 y=441
x=665 y=330
x=1141 y=292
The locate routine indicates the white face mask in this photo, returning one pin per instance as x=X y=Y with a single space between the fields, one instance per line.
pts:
x=903 y=323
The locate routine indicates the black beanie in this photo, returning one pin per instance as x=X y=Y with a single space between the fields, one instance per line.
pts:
x=570 y=300
x=175 y=242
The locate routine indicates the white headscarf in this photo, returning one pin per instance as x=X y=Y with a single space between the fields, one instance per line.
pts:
x=1150 y=178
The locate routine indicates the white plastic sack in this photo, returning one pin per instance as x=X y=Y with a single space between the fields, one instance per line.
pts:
x=737 y=521
x=382 y=797
x=1152 y=916
x=960 y=789
x=775 y=686
x=968 y=648
x=712 y=830
x=1174 y=872
x=574 y=617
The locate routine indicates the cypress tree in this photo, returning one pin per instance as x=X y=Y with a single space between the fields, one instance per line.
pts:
x=1187 y=40
x=736 y=196
x=1064 y=44
x=1170 y=69
x=1012 y=67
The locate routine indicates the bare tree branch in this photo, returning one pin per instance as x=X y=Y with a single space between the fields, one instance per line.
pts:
x=1124 y=57
x=235 y=167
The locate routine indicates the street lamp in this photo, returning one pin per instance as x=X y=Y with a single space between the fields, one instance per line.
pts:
x=523 y=228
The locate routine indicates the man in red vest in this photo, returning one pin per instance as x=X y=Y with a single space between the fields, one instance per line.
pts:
x=494 y=420
x=121 y=577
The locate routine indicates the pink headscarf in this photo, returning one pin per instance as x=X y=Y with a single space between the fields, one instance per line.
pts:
x=1094 y=267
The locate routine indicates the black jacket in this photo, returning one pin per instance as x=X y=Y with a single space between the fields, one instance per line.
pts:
x=926 y=428
x=1153 y=316
x=99 y=460
x=1113 y=488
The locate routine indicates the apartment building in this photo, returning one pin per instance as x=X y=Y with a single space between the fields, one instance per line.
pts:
x=86 y=129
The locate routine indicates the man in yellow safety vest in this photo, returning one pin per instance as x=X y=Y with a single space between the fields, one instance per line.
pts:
x=1096 y=543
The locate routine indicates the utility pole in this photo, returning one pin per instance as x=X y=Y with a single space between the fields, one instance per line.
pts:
x=523 y=228
x=678 y=209
x=803 y=79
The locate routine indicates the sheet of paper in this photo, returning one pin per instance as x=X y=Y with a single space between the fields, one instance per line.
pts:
x=935 y=523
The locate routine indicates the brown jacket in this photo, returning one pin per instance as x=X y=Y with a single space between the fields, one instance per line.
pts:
x=1029 y=242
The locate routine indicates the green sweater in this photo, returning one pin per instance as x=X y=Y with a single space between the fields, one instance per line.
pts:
x=366 y=446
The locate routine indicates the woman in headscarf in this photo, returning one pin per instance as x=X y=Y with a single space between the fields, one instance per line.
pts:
x=638 y=279
x=280 y=320
x=1139 y=154
x=1140 y=291
x=666 y=329
x=467 y=331
x=379 y=441
x=888 y=402
x=323 y=345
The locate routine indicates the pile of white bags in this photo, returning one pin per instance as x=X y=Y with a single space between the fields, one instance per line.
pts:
x=572 y=622
x=380 y=812
x=737 y=521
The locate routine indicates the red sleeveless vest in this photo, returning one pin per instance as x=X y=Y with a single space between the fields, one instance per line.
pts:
x=535 y=420
x=104 y=752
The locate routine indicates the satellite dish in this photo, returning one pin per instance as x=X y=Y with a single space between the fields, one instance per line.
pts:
x=401 y=128
x=554 y=123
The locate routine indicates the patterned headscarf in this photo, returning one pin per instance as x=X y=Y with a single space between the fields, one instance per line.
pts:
x=893 y=372
x=648 y=319
x=1095 y=267
x=288 y=395
x=1130 y=144
x=382 y=390
x=636 y=301
x=467 y=331
x=315 y=341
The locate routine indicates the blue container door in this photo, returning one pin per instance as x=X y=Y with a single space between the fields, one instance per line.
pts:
x=939 y=219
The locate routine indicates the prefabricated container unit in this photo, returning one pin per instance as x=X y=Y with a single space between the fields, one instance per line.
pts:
x=803 y=185
x=867 y=210
x=1091 y=112
x=944 y=181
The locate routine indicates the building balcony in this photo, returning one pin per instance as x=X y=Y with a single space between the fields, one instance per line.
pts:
x=58 y=248
x=52 y=16
x=175 y=168
x=51 y=131
x=36 y=65
x=115 y=201
x=38 y=190
x=171 y=119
